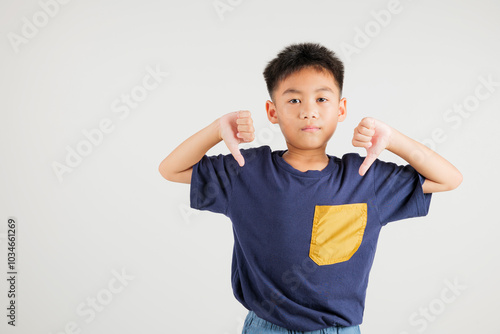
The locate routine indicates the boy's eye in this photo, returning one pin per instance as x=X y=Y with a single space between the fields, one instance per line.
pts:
x=294 y=101
x=322 y=99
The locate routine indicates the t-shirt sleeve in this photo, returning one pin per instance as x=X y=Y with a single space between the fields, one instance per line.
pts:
x=211 y=183
x=398 y=192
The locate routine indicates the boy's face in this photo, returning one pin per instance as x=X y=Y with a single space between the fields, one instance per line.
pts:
x=307 y=98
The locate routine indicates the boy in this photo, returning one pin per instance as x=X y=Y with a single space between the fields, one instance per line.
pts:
x=305 y=223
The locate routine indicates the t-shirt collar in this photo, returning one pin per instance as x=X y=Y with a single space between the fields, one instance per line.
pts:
x=278 y=158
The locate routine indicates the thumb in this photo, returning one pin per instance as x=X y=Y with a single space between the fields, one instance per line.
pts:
x=369 y=159
x=235 y=151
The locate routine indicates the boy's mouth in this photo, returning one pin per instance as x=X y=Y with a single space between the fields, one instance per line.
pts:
x=310 y=128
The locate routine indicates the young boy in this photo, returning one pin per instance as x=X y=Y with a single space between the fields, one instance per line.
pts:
x=305 y=223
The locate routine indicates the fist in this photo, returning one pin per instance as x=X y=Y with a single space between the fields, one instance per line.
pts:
x=373 y=135
x=235 y=128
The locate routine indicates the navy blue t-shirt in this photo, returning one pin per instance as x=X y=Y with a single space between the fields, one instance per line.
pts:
x=304 y=242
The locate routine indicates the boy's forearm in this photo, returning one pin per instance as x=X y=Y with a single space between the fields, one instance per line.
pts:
x=190 y=151
x=441 y=175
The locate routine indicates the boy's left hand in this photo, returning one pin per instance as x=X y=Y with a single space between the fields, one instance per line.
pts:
x=373 y=135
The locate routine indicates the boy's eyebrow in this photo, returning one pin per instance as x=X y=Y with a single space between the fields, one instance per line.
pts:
x=293 y=90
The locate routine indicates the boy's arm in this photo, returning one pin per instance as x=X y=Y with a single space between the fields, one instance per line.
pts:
x=376 y=136
x=233 y=128
x=178 y=165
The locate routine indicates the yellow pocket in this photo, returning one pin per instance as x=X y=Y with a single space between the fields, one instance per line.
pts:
x=337 y=232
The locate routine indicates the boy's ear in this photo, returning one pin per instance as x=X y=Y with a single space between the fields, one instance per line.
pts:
x=342 y=109
x=271 y=112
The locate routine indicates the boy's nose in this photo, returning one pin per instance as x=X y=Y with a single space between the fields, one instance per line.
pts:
x=308 y=112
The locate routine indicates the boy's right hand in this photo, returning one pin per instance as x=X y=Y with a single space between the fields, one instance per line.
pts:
x=235 y=128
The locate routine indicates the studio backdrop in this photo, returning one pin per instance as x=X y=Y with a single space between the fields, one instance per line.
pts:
x=95 y=94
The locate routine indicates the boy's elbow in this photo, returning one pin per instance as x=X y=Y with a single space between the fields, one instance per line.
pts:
x=455 y=181
x=179 y=177
x=451 y=183
x=164 y=172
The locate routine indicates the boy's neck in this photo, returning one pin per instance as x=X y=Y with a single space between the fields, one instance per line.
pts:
x=305 y=160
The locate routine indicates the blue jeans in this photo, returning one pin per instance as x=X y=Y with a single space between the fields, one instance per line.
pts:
x=255 y=325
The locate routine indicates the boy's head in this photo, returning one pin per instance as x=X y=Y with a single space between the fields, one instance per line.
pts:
x=298 y=56
x=305 y=85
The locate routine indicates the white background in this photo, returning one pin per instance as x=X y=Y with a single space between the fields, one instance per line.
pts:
x=114 y=212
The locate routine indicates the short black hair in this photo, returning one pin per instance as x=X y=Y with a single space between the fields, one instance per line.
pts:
x=295 y=57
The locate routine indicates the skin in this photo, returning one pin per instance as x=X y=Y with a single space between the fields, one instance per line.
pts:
x=310 y=97
x=307 y=97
